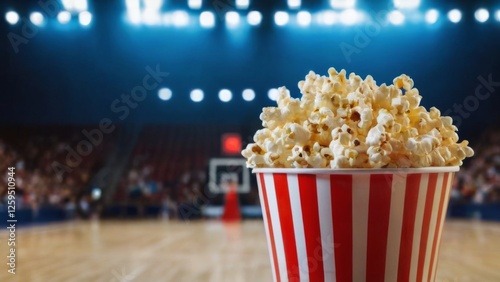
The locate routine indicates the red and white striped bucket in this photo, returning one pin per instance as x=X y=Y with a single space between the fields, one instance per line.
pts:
x=354 y=224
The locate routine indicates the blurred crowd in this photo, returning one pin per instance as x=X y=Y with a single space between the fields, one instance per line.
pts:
x=38 y=186
x=141 y=187
x=478 y=180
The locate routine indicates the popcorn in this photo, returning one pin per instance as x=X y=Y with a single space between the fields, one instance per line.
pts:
x=344 y=121
x=403 y=81
x=297 y=133
x=376 y=135
x=385 y=118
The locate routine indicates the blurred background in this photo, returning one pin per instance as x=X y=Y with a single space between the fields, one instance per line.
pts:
x=138 y=109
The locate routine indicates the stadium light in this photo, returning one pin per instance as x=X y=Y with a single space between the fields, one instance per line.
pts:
x=294 y=4
x=431 y=16
x=272 y=94
x=232 y=19
x=64 y=17
x=12 y=17
x=242 y=4
x=165 y=94
x=80 y=5
x=36 y=18
x=134 y=17
x=396 y=17
x=254 y=18
x=150 y=17
x=133 y=11
x=154 y=5
x=327 y=17
x=248 y=95
x=207 y=19
x=342 y=4
x=68 y=4
x=482 y=15
x=455 y=16
x=180 y=18
x=151 y=12
x=304 y=18
x=225 y=95
x=281 y=18
x=196 y=95
x=194 y=4
x=132 y=5
x=497 y=15
x=406 y=4
x=85 y=18
x=350 y=17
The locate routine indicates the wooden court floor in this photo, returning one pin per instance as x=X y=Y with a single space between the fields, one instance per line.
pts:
x=155 y=250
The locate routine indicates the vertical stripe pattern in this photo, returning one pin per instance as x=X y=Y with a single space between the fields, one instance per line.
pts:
x=310 y=216
x=276 y=224
x=408 y=226
x=293 y=186
x=341 y=197
x=268 y=226
x=441 y=217
x=419 y=218
x=424 y=235
x=360 y=196
x=395 y=227
x=360 y=227
x=326 y=225
x=286 y=224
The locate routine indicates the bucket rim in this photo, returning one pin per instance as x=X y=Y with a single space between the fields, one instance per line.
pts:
x=423 y=170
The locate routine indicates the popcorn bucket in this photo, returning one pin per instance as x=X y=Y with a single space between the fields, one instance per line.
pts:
x=354 y=224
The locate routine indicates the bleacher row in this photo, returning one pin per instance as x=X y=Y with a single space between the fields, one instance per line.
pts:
x=168 y=170
x=173 y=150
x=44 y=193
x=169 y=163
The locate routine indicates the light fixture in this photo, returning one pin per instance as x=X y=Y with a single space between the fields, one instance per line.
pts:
x=242 y=4
x=431 y=16
x=254 y=18
x=342 y=4
x=80 y=5
x=154 y=5
x=482 y=15
x=36 y=18
x=294 y=4
x=327 y=17
x=180 y=18
x=207 y=19
x=225 y=95
x=85 y=18
x=406 y=4
x=396 y=17
x=350 y=17
x=232 y=19
x=165 y=94
x=12 y=17
x=64 y=17
x=304 y=18
x=272 y=94
x=281 y=18
x=248 y=95
x=194 y=4
x=196 y=95
x=455 y=16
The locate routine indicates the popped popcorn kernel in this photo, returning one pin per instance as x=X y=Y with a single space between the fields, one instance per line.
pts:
x=344 y=121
